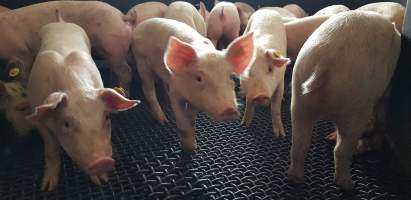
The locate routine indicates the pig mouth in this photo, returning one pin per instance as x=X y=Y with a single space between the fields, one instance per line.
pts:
x=261 y=100
x=100 y=166
x=229 y=114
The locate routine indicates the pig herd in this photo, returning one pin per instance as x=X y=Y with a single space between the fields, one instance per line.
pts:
x=344 y=61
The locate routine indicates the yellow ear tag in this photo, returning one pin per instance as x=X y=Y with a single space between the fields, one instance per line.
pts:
x=278 y=54
x=120 y=90
x=13 y=72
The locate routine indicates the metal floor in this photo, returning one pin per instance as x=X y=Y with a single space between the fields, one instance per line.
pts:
x=233 y=162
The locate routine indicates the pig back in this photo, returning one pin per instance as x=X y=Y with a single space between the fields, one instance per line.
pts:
x=352 y=55
x=75 y=38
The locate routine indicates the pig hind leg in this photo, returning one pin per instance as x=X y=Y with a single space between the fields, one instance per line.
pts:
x=148 y=81
x=302 y=126
x=349 y=132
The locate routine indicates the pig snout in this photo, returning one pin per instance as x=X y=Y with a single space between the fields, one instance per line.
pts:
x=262 y=100
x=100 y=166
x=228 y=114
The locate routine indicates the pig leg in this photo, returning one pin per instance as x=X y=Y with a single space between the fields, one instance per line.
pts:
x=347 y=140
x=248 y=113
x=52 y=159
x=185 y=120
x=302 y=126
x=119 y=66
x=276 y=101
x=148 y=77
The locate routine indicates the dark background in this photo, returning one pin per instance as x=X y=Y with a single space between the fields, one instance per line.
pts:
x=310 y=6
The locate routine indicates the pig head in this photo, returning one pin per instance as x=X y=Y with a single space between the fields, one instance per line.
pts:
x=203 y=79
x=81 y=125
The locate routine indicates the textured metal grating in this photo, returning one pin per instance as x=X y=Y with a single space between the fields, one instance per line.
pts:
x=233 y=162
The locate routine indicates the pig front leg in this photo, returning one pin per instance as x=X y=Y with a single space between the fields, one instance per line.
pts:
x=302 y=126
x=147 y=77
x=185 y=120
x=276 y=101
x=52 y=159
x=350 y=131
x=119 y=66
x=248 y=113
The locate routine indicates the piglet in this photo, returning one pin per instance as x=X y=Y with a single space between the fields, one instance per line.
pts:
x=14 y=104
x=107 y=27
x=188 y=14
x=331 y=10
x=146 y=10
x=70 y=106
x=245 y=11
x=296 y=10
x=198 y=76
x=342 y=71
x=264 y=84
x=14 y=107
x=393 y=11
x=223 y=23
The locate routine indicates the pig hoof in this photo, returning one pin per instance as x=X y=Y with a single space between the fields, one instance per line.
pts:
x=49 y=182
x=294 y=177
x=345 y=184
x=246 y=122
x=162 y=119
x=190 y=148
x=279 y=131
x=99 y=179
x=332 y=136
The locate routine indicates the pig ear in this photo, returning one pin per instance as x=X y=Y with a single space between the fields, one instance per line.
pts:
x=178 y=55
x=115 y=101
x=241 y=53
x=202 y=10
x=277 y=57
x=52 y=102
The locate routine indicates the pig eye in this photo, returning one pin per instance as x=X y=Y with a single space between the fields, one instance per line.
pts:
x=66 y=124
x=199 y=79
x=270 y=69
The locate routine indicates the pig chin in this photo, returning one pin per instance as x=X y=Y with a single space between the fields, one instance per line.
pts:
x=229 y=113
x=97 y=166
